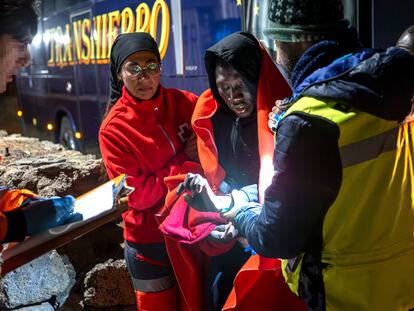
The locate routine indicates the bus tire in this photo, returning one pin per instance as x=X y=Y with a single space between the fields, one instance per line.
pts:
x=67 y=134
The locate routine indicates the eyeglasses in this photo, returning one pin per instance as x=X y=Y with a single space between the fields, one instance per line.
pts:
x=136 y=72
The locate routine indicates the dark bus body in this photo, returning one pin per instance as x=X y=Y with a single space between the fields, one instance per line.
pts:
x=63 y=93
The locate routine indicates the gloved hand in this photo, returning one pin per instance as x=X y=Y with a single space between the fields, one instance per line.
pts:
x=223 y=233
x=202 y=197
x=43 y=214
x=276 y=114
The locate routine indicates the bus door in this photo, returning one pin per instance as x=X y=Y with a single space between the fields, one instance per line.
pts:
x=85 y=79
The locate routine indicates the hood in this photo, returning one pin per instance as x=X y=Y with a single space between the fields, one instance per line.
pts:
x=242 y=51
x=378 y=82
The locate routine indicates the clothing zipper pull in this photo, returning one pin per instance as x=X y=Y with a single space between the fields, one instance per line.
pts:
x=156 y=115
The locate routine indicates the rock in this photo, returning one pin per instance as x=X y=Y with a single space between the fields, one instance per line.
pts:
x=97 y=246
x=107 y=285
x=61 y=298
x=47 y=168
x=40 y=280
x=42 y=307
x=85 y=253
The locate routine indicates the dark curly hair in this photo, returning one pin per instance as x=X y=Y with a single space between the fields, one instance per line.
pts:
x=18 y=19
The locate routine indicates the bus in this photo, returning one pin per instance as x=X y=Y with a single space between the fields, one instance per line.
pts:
x=63 y=93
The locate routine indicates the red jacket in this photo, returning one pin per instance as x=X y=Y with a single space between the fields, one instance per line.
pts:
x=145 y=140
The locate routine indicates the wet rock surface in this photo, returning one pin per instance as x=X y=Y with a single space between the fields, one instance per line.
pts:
x=45 y=278
x=41 y=307
x=108 y=284
x=48 y=169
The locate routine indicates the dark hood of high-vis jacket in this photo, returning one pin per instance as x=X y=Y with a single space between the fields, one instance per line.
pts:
x=379 y=82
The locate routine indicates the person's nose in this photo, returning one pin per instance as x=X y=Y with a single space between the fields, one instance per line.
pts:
x=144 y=75
x=230 y=94
x=235 y=95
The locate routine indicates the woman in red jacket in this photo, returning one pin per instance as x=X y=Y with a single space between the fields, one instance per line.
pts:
x=146 y=136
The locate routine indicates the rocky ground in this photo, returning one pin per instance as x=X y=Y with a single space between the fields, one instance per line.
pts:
x=88 y=273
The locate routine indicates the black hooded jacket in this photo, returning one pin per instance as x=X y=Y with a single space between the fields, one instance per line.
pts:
x=236 y=138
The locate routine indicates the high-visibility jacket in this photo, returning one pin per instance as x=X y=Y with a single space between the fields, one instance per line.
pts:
x=367 y=250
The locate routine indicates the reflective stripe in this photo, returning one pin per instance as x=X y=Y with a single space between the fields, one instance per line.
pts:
x=369 y=148
x=152 y=261
x=154 y=285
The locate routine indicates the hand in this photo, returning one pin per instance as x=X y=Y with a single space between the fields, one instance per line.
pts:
x=202 y=197
x=277 y=110
x=190 y=148
x=223 y=233
x=43 y=214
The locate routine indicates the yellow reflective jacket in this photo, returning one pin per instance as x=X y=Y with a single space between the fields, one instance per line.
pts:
x=368 y=243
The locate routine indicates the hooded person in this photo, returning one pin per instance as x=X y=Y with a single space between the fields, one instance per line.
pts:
x=145 y=135
x=339 y=209
x=235 y=150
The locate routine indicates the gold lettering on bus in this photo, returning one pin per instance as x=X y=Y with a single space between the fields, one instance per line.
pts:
x=89 y=40
x=97 y=36
x=86 y=40
x=104 y=36
x=160 y=5
x=67 y=54
x=114 y=21
x=58 y=38
x=143 y=18
x=128 y=20
x=48 y=38
x=77 y=36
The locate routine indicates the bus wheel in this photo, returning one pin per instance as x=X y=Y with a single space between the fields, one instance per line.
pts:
x=66 y=134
